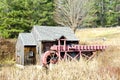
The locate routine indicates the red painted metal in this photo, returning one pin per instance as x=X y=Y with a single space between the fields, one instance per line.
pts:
x=46 y=54
x=78 y=48
x=71 y=48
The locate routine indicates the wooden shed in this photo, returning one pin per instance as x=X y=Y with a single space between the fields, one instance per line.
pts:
x=24 y=45
x=31 y=46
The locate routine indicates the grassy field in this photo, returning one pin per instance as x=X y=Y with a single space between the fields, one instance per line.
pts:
x=105 y=66
x=105 y=36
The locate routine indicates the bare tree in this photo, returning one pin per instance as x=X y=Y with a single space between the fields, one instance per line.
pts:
x=71 y=12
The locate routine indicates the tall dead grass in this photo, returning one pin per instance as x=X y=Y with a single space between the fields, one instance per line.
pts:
x=105 y=66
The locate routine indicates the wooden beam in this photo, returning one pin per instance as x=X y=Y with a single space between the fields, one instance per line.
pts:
x=59 y=49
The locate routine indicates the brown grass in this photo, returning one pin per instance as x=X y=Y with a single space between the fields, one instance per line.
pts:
x=96 y=69
x=105 y=66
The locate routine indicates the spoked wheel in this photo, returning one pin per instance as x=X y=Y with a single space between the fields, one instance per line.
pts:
x=50 y=57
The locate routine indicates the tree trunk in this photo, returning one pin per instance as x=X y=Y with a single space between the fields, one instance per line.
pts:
x=74 y=29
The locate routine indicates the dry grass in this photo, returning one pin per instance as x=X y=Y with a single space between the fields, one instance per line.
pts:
x=105 y=66
x=96 y=69
x=106 y=36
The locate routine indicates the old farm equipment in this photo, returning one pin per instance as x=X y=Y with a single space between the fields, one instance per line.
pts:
x=69 y=51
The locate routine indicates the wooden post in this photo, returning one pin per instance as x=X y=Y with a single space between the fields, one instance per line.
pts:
x=80 y=53
x=93 y=55
x=65 y=49
x=59 y=49
x=64 y=45
x=38 y=54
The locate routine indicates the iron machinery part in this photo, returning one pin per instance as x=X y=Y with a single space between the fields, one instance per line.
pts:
x=50 y=57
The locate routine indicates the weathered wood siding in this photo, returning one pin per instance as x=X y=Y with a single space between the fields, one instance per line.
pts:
x=38 y=53
x=19 y=51
x=46 y=45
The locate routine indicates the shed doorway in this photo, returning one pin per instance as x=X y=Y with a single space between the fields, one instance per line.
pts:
x=30 y=55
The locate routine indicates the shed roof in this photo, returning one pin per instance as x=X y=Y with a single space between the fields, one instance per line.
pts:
x=27 y=39
x=52 y=33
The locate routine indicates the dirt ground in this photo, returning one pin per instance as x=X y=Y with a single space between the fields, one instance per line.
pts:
x=7 y=48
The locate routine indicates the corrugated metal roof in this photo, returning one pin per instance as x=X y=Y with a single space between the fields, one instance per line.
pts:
x=27 y=39
x=52 y=33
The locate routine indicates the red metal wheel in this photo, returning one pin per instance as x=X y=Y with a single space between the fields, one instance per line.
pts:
x=50 y=57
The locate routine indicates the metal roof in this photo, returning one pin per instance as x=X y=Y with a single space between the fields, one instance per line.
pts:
x=27 y=39
x=51 y=33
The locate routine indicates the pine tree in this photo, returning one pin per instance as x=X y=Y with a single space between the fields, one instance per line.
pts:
x=107 y=13
x=20 y=15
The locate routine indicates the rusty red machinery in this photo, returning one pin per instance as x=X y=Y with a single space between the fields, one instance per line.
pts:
x=69 y=52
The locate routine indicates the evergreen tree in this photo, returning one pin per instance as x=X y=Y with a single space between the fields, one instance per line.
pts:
x=20 y=15
x=106 y=12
